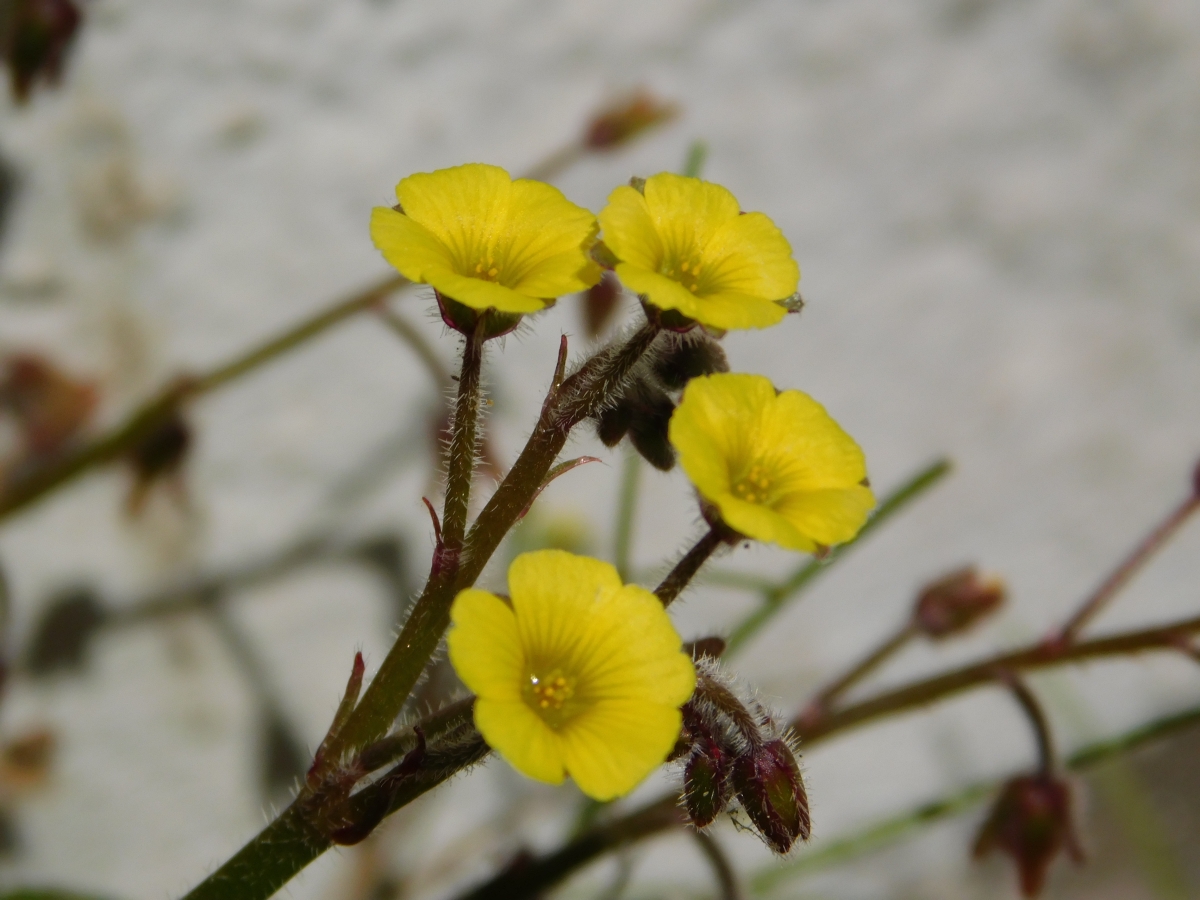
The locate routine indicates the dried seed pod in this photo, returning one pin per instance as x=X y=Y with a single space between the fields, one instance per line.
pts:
x=771 y=791
x=1031 y=822
x=957 y=601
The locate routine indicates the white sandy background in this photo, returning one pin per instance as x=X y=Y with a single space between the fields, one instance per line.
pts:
x=996 y=209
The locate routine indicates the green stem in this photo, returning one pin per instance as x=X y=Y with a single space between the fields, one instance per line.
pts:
x=775 y=599
x=296 y=838
x=631 y=471
x=582 y=393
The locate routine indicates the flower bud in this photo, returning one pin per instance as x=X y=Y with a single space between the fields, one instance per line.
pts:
x=688 y=358
x=626 y=119
x=1031 y=822
x=35 y=36
x=706 y=782
x=956 y=601
x=157 y=457
x=650 y=416
x=769 y=786
x=1196 y=479
x=50 y=407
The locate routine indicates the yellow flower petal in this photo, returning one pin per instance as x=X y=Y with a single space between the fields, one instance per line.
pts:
x=553 y=593
x=464 y=207
x=750 y=256
x=485 y=647
x=687 y=212
x=685 y=246
x=516 y=732
x=613 y=747
x=629 y=231
x=486 y=241
x=582 y=673
x=777 y=467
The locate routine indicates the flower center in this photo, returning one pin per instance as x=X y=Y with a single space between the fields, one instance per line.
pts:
x=550 y=696
x=686 y=272
x=754 y=486
x=486 y=269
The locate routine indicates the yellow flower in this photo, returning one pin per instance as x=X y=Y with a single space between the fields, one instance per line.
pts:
x=579 y=674
x=487 y=241
x=775 y=465
x=683 y=244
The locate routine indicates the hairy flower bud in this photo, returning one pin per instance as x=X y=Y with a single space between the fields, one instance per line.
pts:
x=651 y=411
x=706 y=782
x=689 y=357
x=1031 y=822
x=768 y=784
x=957 y=601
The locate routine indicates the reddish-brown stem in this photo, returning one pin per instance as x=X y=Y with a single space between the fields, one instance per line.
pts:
x=1037 y=656
x=824 y=698
x=1037 y=719
x=685 y=570
x=1121 y=575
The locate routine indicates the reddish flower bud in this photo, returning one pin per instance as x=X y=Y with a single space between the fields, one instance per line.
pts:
x=600 y=303
x=957 y=601
x=768 y=784
x=626 y=119
x=706 y=782
x=50 y=407
x=35 y=36
x=1031 y=822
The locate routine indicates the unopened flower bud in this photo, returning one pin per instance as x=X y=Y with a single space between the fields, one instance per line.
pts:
x=626 y=119
x=1196 y=479
x=768 y=784
x=35 y=36
x=689 y=357
x=650 y=416
x=50 y=407
x=957 y=601
x=1031 y=822
x=600 y=303
x=706 y=782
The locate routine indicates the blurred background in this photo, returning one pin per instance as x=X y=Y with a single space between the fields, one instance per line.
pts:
x=995 y=205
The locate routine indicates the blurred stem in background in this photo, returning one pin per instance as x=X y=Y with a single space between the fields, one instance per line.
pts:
x=608 y=130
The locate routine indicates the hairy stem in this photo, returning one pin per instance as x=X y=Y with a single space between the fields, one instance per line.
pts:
x=687 y=567
x=460 y=462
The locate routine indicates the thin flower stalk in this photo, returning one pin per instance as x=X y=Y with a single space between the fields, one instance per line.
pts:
x=685 y=570
x=1120 y=576
x=824 y=699
x=460 y=459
